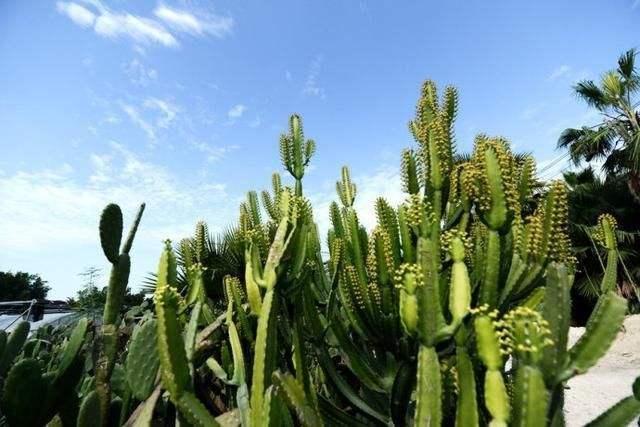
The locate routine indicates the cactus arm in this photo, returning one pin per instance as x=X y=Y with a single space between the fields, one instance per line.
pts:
x=252 y=269
x=173 y=358
x=496 y=216
x=602 y=328
x=557 y=312
x=466 y=408
x=460 y=289
x=191 y=331
x=428 y=388
x=495 y=391
x=75 y=343
x=22 y=397
x=430 y=318
x=90 y=413
x=111 y=231
x=194 y=411
x=292 y=392
x=142 y=362
x=516 y=271
x=530 y=398
x=356 y=248
x=14 y=346
x=132 y=232
x=623 y=412
x=260 y=355
x=489 y=286
x=610 y=279
x=117 y=287
x=408 y=252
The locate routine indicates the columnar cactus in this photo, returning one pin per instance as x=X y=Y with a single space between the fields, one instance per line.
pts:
x=110 y=239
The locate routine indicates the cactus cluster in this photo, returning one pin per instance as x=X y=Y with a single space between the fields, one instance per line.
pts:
x=454 y=309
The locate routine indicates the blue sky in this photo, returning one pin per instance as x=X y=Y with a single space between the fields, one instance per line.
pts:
x=180 y=104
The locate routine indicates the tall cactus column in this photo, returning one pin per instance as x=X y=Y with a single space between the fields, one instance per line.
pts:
x=110 y=238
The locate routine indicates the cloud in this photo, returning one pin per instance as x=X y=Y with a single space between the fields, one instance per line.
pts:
x=139 y=74
x=213 y=153
x=562 y=70
x=188 y=22
x=311 y=84
x=168 y=111
x=163 y=28
x=154 y=114
x=136 y=118
x=49 y=218
x=236 y=111
x=78 y=14
x=141 y=30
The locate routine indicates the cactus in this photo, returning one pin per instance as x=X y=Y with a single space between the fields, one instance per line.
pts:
x=142 y=360
x=453 y=309
x=174 y=365
x=110 y=237
x=22 y=402
x=13 y=346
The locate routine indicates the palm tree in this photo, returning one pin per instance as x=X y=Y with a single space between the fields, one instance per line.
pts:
x=616 y=140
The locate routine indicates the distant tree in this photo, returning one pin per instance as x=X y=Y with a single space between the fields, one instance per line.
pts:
x=616 y=139
x=22 y=286
x=91 y=298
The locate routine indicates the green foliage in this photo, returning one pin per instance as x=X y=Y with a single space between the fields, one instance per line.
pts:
x=614 y=143
x=21 y=286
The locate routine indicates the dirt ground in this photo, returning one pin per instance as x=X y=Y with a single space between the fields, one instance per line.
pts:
x=607 y=382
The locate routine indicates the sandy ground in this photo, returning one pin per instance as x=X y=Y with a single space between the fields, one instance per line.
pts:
x=607 y=382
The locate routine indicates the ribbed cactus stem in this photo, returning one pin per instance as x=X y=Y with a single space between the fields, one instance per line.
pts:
x=530 y=398
x=429 y=389
x=408 y=251
x=466 y=407
x=557 y=312
x=495 y=391
x=606 y=236
x=259 y=361
x=491 y=276
x=430 y=316
x=252 y=269
x=460 y=290
x=357 y=251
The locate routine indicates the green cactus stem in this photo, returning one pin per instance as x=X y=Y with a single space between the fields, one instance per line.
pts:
x=606 y=235
x=428 y=389
x=13 y=346
x=490 y=352
x=622 y=413
x=295 y=152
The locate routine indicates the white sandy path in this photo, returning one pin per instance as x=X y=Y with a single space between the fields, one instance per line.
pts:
x=607 y=382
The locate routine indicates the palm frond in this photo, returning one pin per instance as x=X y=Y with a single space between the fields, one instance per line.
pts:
x=626 y=64
x=591 y=94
